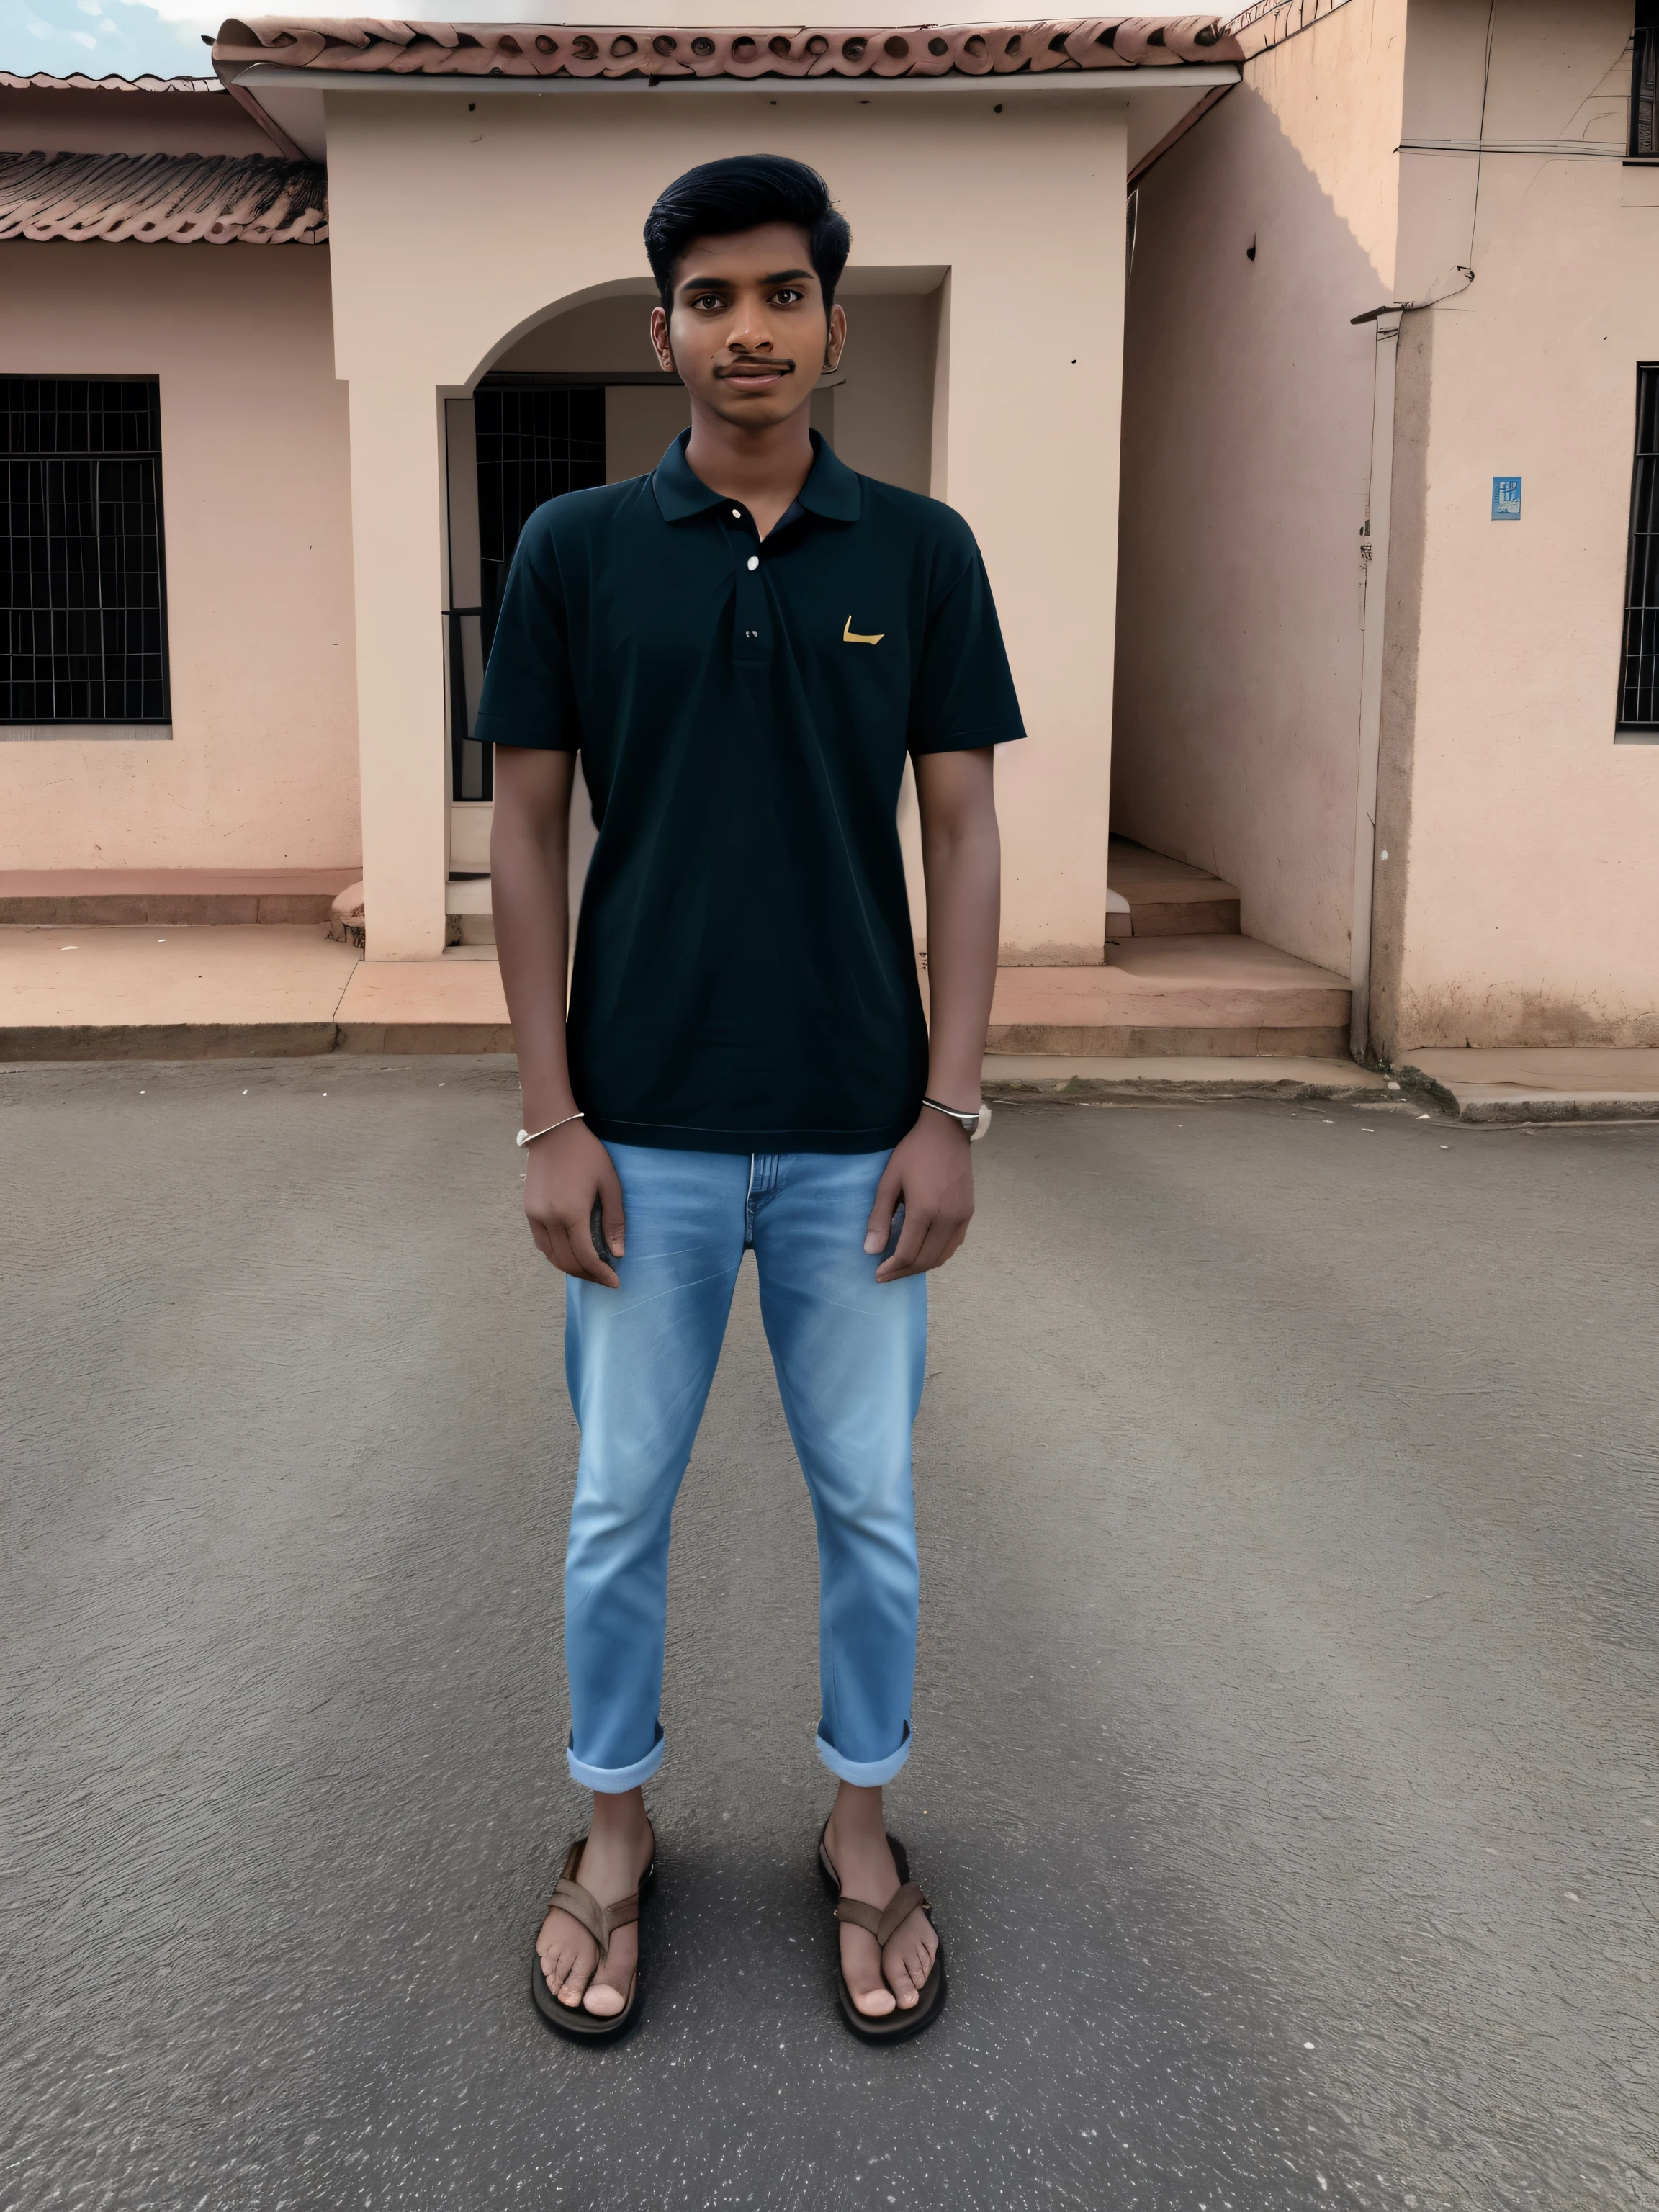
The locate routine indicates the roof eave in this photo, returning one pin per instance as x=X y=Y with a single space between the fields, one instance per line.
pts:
x=290 y=101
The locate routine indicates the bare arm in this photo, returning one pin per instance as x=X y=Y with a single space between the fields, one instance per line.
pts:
x=961 y=862
x=529 y=894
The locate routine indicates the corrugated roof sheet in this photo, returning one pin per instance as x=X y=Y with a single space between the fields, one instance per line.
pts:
x=211 y=199
x=370 y=46
x=42 y=80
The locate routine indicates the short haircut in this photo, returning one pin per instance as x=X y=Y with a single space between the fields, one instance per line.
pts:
x=719 y=198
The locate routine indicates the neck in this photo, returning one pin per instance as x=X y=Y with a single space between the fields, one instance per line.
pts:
x=762 y=468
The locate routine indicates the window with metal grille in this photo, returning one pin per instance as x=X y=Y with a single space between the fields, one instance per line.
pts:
x=1638 y=687
x=533 y=444
x=534 y=439
x=1644 y=83
x=82 y=584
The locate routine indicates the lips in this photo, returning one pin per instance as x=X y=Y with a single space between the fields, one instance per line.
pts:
x=757 y=374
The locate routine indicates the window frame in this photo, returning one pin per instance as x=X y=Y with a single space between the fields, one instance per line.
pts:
x=142 y=726
x=1644 y=541
x=1644 y=84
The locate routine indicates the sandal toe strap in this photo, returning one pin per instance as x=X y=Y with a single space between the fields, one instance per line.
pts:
x=601 y=1921
x=883 y=1926
x=585 y=1909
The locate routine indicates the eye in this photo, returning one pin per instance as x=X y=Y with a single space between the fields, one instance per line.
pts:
x=785 y=296
x=705 y=302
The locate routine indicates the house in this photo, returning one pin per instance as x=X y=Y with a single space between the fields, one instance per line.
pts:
x=1387 y=622
x=1288 y=372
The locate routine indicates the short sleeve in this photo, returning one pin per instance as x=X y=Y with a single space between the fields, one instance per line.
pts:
x=529 y=698
x=964 y=690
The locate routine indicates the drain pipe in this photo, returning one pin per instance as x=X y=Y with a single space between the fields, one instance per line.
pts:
x=1373 y=607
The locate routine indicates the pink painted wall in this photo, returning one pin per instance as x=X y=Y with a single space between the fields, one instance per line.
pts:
x=1520 y=900
x=1246 y=460
x=261 y=770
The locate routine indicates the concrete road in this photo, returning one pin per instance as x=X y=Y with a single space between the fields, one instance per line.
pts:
x=1284 y=1728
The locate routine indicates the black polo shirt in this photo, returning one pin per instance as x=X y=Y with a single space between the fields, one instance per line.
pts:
x=744 y=978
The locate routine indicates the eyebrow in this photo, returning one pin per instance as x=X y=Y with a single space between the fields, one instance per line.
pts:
x=724 y=284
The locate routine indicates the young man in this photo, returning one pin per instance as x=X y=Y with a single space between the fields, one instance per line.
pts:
x=744 y=647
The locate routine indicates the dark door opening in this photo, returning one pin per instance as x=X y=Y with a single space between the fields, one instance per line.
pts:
x=534 y=441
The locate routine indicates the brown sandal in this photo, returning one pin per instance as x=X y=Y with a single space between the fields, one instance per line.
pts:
x=883 y=1923
x=601 y=1922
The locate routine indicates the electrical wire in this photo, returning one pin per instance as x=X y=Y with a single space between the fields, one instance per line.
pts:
x=1465 y=269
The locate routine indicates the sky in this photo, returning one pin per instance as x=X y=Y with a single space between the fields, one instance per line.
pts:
x=106 y=38
x=163 y=37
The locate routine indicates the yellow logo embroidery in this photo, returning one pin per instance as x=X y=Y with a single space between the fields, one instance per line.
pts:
x=850 y=636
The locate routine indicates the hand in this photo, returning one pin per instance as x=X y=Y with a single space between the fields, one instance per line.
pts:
x=567 y=1170
x=932 y=1171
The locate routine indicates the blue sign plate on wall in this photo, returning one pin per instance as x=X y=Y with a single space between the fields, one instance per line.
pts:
x=1506 y=499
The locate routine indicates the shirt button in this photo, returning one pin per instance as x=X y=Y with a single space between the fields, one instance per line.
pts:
x=754 y=560
x=737 y=514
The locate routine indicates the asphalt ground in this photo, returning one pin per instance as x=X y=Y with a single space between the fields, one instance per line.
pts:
x=1285 y=1726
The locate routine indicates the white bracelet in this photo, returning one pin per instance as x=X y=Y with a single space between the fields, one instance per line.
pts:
x=529 y=1136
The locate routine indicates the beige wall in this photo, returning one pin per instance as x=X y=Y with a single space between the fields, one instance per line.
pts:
x=261 y=770
x=1520 y=900
x=434 y=285
x=1246 y=462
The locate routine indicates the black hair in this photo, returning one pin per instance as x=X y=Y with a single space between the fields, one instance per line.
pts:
x=719 y=198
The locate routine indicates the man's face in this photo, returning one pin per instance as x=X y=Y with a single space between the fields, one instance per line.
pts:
x=748 y=332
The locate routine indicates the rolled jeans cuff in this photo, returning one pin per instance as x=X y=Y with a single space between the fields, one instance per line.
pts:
x=611 y=1781
x=864 y=1773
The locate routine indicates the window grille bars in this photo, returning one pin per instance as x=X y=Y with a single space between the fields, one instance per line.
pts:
x=1638 y=688
x=82 y=584
x=1644 y=83
x=534 y=443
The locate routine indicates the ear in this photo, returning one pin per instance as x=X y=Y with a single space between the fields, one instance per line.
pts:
x=660 y=339
x=835 y=336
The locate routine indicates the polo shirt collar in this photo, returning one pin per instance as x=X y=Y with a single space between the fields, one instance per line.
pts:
x=831 y=490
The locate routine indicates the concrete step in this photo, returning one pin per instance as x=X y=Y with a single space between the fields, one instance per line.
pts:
x=1187 y=995
x=175 y=991
x=114 y=896
x=1565 y=1083
x=1165 y=898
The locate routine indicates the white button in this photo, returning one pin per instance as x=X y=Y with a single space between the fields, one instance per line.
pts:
x=737 y=514
x=754 y=560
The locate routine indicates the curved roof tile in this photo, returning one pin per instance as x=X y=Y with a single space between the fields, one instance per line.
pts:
x=370 y=46
x=43 y=80
x=213 y=199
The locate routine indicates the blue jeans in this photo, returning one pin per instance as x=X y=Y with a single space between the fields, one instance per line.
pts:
x=850 y=1355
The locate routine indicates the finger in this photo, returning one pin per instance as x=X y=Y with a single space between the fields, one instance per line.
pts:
x=571 y=1259
x=610 y=1211
x=543 y=1243
x=958 y=1239
x=879 y=1227
x=944 y=1235
x=912 y=1237
x=589 y=1262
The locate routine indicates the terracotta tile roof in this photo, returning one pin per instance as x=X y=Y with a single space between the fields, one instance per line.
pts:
x=186 y=199
x=43 y=80
x=371 y=48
